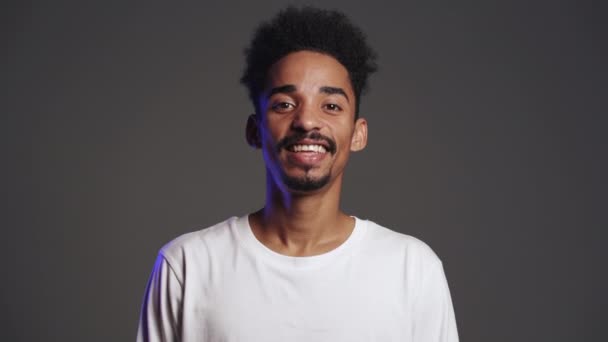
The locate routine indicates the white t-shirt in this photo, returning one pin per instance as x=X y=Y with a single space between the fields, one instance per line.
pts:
x=222 y=284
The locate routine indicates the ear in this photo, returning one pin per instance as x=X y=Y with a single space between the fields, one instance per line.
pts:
x=252 y=132
x=359 y=139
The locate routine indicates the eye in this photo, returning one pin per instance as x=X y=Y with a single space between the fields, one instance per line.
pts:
x=282 y=107
x=332 y=107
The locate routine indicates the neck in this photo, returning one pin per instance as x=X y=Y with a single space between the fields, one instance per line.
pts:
x=302 y=224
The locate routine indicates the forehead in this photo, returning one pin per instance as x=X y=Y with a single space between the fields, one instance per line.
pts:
x=308 y=70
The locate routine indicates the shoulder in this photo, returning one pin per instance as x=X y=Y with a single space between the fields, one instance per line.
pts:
x=199 y=238
x=198 y=246
x=415 y=252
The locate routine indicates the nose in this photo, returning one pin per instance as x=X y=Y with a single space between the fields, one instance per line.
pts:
x=306 y=118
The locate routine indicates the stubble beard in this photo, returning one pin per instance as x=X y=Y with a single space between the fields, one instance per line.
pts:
x=306 y=183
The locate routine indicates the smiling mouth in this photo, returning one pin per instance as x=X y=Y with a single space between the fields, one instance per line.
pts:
x=307 y=143
x=307 y=148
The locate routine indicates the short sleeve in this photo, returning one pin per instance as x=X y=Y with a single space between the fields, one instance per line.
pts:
x=434 y=319
x=161 y=309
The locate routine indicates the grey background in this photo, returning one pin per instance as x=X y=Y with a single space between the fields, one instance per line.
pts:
x=123 y=127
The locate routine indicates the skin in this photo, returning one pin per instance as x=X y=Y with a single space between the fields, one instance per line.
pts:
x=305 y=92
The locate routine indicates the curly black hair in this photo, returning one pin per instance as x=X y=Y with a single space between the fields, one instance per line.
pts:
x=308 y=28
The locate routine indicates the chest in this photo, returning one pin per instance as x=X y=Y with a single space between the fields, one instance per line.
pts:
x=340 y=302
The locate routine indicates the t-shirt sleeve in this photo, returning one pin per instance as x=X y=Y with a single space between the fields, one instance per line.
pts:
x=434 y=319
x=161 y=308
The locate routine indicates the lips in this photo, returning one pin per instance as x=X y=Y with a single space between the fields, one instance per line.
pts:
x=313 y=142
x=305 y=158
x=306 y=149
x=314 y=148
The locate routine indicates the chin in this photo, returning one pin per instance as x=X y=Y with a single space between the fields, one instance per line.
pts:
x=306 y=183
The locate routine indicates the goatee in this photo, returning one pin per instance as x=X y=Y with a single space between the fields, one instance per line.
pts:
x=305 y=184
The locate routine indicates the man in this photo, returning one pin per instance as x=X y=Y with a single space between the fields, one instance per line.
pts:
x=300 y=269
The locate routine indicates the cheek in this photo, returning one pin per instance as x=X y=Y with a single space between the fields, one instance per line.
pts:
x=273 y=130
x=270 y=140
x=345 y=136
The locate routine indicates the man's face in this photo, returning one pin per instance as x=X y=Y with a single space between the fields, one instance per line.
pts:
x=307 y=126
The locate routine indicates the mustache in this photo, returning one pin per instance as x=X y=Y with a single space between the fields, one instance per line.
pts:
x=296 y=137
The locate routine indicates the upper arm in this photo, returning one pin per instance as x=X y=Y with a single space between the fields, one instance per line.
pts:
x=160 y=318
x=434 y=319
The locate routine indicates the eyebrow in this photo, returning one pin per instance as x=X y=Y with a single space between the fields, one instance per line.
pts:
x=290 y=88
x=334 y=90
x=284 y=89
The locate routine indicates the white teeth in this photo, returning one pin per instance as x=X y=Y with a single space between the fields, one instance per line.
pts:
x=308 y=148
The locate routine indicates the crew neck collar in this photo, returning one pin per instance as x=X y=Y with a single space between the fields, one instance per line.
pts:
x=245 y=234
